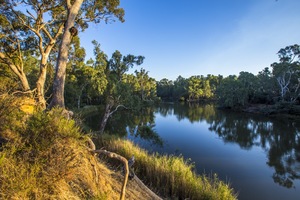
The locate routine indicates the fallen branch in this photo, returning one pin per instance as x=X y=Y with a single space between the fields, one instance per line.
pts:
x=126 y=168
x=92 y=148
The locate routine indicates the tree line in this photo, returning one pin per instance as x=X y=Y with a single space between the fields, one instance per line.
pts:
x=278 y=83
x=41 y=54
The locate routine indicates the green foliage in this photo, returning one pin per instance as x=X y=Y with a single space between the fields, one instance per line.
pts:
x=43 y=129
x=287 y=73
x=230 y=93
x=195 y=88
x=85 y=80
x=165 y=89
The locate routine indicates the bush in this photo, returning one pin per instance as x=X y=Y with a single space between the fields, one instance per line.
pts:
x=45 y=157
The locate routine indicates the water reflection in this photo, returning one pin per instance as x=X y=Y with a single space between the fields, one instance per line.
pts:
x=279 y=138
x=139 y=124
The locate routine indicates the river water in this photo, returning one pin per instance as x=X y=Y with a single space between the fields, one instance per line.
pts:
x=259 y=156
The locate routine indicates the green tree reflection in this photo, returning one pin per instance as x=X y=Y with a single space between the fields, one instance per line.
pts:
x=279 y=138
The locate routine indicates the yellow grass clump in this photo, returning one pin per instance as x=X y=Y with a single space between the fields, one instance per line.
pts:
x=171 y=176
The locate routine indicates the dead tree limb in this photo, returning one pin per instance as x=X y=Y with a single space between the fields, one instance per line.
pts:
x=126 y=168
x=92 y=148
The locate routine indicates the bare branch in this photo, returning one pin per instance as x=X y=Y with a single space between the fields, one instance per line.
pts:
x=31 y=15
x=112 y=112
x=125 y=162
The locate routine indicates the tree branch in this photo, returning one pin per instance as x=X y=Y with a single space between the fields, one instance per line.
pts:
x=112 y=112
x=125 y=162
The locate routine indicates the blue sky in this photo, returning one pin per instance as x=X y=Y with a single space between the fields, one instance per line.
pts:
x=200 y=37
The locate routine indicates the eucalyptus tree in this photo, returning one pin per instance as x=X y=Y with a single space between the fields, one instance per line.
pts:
x=79 y=12
x=24 y=28
x=39 y=26
x=85 y=77
x=118 y=93
x=165 y=88
x=195 y=88
x=287 y=72
x=180 y=88
x=249 y=85
x=229 y=92
x=146 y=86
x=265 y=92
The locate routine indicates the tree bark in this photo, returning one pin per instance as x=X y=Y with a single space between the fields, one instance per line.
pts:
x=40 y=86
x=60 y=74
x=18 y=70
x=108 y=107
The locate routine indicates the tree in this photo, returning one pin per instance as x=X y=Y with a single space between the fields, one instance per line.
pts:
x=38 y=26
x=180 y=88
x=249 y=84
x=25 y=29
x=287 y=72
x=165 y=88
x=145 y=85
x=117 y=91
x=82 y=11
x=88 y=78
x=265 y=92
x=230 y=92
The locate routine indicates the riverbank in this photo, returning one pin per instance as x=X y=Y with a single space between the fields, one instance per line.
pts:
x=44 y=155
x=286 y=110
x=171 y=176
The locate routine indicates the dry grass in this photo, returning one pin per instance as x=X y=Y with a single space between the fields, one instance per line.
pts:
x=171 y=176
x=44 y=156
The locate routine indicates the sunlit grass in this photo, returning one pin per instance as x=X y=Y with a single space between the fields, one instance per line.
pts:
x=43 y=155
x=173 y=177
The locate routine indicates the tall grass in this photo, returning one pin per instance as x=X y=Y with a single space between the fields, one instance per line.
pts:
x=44 y=156
x=172 y=176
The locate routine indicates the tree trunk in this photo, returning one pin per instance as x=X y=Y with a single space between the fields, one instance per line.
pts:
x=60 y=74
x=40 y=86
x=18 y=70
x=108 y=107
x=24 y=81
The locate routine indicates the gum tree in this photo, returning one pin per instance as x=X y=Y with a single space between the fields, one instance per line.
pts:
x=287 y=73
x=39 y=26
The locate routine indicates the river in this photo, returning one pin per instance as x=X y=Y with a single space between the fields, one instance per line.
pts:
x=259 y=156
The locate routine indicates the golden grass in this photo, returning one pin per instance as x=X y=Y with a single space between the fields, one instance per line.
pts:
x=45 y=156
x=171 y=176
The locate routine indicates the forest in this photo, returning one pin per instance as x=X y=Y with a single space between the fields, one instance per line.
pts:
x=46 y=60
x=44 y=68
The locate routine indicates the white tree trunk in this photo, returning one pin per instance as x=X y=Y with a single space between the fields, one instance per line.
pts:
x=60 y=74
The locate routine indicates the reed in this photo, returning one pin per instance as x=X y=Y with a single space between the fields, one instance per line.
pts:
x=171 y=176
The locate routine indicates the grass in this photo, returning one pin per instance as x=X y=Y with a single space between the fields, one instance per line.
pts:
x=171 y=176
x=43 y=155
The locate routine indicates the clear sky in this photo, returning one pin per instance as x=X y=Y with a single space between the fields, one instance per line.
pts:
x=200 y=37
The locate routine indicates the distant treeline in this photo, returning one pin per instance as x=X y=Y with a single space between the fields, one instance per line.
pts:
x=280 y=83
